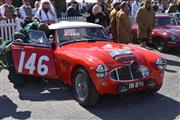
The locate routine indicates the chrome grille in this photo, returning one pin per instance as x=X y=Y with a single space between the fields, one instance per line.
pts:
x=130 y=72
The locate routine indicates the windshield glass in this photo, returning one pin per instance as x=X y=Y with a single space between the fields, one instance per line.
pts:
x=178 y=16
x=162 y=21
x=82 y=34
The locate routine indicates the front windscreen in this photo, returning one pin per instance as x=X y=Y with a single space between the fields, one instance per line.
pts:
x=82 y=34
x=163 y=21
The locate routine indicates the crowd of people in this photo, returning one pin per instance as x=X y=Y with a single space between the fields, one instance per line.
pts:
x=144 y=12
x=114 y=17
x=44 y=10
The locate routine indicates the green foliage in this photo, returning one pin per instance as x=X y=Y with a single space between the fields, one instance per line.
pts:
x=17 y=3
x=61 y=4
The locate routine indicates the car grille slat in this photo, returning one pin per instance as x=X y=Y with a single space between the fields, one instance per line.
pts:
x=130 y=72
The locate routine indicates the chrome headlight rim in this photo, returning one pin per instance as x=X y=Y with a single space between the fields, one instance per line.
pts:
x=161 y=63
x=102 y=71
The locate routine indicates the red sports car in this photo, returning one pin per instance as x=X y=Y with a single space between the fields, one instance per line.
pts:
x=83 y=56
x=166 y=33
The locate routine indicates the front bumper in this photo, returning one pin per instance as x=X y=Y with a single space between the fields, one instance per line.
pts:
x=107 y=86
x=173 y=44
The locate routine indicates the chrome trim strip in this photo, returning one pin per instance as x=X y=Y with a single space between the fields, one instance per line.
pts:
x=131 y=72
x=117 y=75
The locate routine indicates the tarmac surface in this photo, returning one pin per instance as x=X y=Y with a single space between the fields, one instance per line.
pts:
x=53 y=100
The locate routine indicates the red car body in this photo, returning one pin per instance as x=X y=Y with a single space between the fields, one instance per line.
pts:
x=166 y=29
x=62 y=62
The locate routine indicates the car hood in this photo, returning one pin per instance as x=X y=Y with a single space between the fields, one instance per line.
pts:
x=106 y=52
x=171 y=29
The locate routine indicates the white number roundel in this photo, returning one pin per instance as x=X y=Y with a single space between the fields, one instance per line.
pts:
x=42 y=69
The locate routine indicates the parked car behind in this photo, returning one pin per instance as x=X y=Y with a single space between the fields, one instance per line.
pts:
x=165 y=35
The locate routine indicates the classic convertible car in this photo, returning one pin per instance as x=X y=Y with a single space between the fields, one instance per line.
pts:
x=81 y=55
x=166 y=33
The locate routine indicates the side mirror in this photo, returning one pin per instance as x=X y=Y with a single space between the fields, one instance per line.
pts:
x=52 y=43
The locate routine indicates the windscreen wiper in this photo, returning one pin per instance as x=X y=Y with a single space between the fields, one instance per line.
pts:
x=73 y=41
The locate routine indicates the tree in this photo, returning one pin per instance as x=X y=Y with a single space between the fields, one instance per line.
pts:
x=17 y=3
x=61 y=4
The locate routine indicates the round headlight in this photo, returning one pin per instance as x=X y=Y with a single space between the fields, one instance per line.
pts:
x=145 y=71
x=161 y=64
x=174 y=38
x=102 y=71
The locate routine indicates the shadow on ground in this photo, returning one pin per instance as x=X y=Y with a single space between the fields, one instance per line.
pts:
x=9 y=109
x=174 y=52
x=173 y=63
x=137 y=107
x=133 y=106
x=45 y=90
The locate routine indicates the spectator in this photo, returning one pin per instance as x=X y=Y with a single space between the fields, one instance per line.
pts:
x=155 y=6
x=161 y=7
x=135 y=7
x=36 y=7
x=26 y=10
x=72 y=10
x=172 y=7
x=70 y=3
x=129 y=7
x=123 y=24
x=56 y=8
x=83 y=7
x=113 y=23
x=46 y=12
x=7 y=10
x=178 y=6
x=1 y=2
x=145 y=19
x=100 y=16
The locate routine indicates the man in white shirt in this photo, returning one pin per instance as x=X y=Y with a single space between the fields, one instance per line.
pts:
x=135 y=7
x=26 y=10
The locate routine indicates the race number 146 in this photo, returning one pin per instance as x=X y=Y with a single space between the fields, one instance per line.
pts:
x=42 y=69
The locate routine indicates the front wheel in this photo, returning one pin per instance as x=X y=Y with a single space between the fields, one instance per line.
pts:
x=161 y=45
x=84 y=90
x=155 y=89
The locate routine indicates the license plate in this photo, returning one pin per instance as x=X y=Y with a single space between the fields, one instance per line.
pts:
x=136 y=85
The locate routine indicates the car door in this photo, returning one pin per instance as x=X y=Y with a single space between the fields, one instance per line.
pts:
x=35 y=57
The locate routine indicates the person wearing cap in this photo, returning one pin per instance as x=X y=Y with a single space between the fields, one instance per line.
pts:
x=26 y=10
x=72 y=10
x=123 y=24
x=135 y=7
x=7 y=10
x=145 y=19
x=113 y=23
x=46 y=12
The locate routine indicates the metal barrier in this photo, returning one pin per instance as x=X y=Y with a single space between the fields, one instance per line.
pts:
x=78 y=18
x=7 y=28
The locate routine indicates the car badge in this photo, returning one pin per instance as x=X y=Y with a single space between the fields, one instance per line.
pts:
x=122 y=54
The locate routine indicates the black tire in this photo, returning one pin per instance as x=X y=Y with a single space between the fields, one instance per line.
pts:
x=17 y=79
x=92 y=95
x=161 y=45
x=153 y=91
